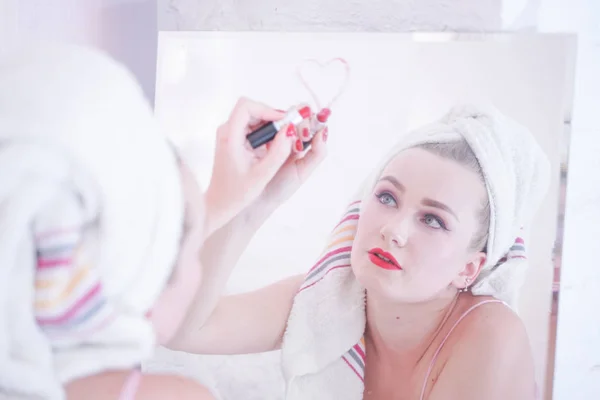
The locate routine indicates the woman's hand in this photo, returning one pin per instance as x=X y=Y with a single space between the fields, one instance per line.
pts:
x=294 y=172
x=240 y=173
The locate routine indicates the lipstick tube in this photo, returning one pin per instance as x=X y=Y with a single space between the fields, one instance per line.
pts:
x=267 y=132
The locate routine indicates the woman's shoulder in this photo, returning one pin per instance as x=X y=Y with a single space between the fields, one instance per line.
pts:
x=489 y=353
x=491 y=327
x=495 y=319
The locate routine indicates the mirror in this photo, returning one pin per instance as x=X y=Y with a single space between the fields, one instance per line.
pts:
x=397 y=82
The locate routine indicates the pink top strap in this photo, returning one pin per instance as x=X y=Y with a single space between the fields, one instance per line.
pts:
x=437 y=352
x=131 y=385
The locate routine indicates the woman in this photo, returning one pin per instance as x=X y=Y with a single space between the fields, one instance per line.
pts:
x=101 y=223
x=410 y=299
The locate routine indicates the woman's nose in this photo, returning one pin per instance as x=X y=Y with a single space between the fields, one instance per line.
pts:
x=395 y=233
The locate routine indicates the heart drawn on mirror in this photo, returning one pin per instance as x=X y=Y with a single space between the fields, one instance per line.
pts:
x=324 y=81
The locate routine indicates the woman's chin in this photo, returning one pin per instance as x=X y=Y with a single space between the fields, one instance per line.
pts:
x=377 y=283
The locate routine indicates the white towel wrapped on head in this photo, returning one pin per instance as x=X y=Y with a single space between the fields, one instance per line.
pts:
x=323 y=354
x=91 y=212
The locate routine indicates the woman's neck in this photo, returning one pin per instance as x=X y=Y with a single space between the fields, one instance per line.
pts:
x=405 y=331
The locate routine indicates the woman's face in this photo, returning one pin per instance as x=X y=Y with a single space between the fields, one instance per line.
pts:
x=423 y=212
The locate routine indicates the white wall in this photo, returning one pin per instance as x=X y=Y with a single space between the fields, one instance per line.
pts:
x=577 y=372
x=127 y=29
x=330 y=15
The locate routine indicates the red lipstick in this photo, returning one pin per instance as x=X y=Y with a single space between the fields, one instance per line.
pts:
x=383 y=259
x=267 y=132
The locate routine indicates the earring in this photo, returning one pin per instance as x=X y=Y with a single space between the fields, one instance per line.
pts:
x=466 y=288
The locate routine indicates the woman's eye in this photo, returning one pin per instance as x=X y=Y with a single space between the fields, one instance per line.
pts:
x=386 y=199
x=434 y=222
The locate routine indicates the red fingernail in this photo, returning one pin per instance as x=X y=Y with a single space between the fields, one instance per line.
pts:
x=323 y=115
x=299 y=145
x=291 y=130
x=305 y=132
x=325 y=131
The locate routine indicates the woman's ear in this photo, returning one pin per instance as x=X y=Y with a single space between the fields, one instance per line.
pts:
x=471 y=270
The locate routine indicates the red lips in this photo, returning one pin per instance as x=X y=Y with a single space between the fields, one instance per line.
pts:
x=375 y=255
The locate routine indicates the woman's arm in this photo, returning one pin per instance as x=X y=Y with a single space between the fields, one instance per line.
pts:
x=492 y=361
x=210 y=318
x=245 y=323
x=213 y=324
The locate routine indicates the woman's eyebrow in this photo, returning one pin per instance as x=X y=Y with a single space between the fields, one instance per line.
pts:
x=394 y=182
x=427 y=202
x=437 y=204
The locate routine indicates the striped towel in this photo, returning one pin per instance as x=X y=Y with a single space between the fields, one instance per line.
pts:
x=326 y=324
x=86 y=330
x=91 y=213
x=70 y=302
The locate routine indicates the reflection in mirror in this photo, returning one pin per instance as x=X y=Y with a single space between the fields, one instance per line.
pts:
x=447 y=256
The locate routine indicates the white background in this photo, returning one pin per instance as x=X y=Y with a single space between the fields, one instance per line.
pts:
x=395 y=84
x=577 y=373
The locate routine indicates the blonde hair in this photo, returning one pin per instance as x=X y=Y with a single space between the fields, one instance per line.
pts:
x=461 y=152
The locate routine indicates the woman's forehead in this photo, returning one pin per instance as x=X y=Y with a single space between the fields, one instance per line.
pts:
x=425 y=174
x=420 y=163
